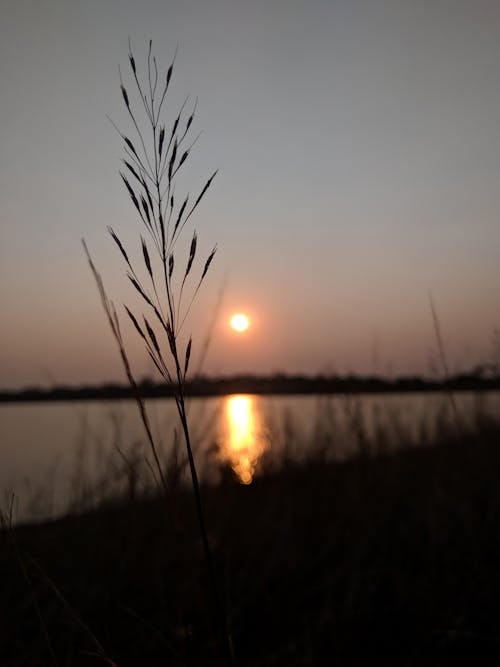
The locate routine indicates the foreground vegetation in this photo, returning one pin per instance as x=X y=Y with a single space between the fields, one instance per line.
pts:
x=391 y=557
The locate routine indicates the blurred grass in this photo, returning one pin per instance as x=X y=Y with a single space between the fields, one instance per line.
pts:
x=389 y=555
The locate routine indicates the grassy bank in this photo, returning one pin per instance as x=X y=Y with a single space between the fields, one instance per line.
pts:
x=393 y=557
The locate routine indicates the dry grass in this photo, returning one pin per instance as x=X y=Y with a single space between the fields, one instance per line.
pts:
x=166 y=284
x=392 y=554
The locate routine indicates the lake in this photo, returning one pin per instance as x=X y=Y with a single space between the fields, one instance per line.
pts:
x=56 y=455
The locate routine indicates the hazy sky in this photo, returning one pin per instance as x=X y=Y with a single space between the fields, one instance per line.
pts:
x=359 y=153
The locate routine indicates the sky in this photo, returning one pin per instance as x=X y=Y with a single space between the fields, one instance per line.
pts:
x=358 y=148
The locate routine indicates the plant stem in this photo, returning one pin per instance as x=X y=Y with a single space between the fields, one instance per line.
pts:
x=219 y=607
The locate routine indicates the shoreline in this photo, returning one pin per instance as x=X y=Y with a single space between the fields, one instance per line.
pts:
x=281 y=385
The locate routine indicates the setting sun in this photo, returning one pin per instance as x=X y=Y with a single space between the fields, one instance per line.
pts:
x=239 y=322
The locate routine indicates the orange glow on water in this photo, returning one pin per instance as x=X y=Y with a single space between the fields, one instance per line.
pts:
x=244 y=441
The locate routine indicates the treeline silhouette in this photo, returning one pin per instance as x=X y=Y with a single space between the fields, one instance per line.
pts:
x=253 y=384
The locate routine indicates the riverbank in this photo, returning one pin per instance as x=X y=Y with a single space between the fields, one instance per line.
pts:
x=280 y=385
x=318 y=563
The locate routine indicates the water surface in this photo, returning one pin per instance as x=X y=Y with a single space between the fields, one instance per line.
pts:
x=53 y=454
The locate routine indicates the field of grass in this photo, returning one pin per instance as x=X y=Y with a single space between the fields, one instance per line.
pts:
x=389 y=556
x=393 y=558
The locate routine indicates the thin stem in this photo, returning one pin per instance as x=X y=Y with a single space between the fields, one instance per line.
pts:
x=158 y=111
x=221 y=614
x=141 y=94
x=113 y=322
x=444 y=363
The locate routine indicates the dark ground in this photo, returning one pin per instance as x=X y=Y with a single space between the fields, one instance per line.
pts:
x=394 y=560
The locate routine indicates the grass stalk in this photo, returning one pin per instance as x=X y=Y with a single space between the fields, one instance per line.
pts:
x=150 y=174
x=444 y=364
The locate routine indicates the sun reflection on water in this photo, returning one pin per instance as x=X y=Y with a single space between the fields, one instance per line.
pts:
x=244 y=441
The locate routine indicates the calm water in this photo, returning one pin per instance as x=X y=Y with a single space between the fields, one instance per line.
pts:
x=55 y=454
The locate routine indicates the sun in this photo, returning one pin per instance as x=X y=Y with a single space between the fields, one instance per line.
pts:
x=239 y=322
